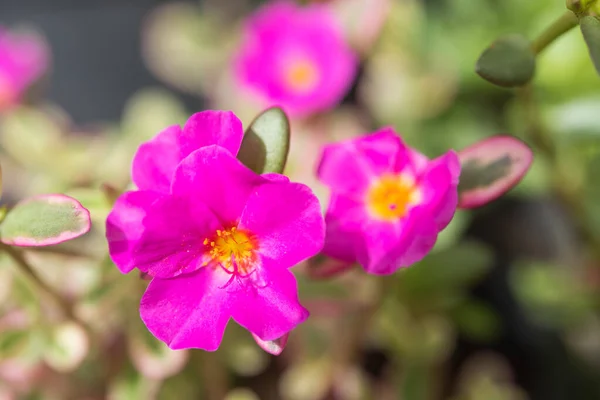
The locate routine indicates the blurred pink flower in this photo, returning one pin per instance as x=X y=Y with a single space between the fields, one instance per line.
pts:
x=24 y=58
x=218 y=243
x=296 y=57
x=388 y=201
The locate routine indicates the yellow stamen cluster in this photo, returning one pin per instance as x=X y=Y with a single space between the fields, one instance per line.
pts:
x=302 y=75
x=233 y=249
x=390 y=197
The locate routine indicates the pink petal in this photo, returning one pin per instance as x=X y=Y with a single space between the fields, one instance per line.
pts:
x=214 y=177
x=272 y=309
x=274 y=347
x=24 y=57
x=124 y=226
x=156 y=160
x=439 y=188
x=344 y=222
x=286 y=218
x=273 y=177
x=349 y=167
x=384 y=149
x=278 y=35
x=206 y=128
x=172 y=240
x=189 y=311
x=389 y=246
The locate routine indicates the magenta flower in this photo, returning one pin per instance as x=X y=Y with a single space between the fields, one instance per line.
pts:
x=23 y=59
x=156 y=160
x=388 y=201
x=154 y=165
x=296 y=58
x=216 y=238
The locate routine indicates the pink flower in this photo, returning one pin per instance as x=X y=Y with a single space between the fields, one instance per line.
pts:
x=388 y=201
x=154 y=165
x=296 y=58
x=156 y=160
x=23 y=59
x=217 y=238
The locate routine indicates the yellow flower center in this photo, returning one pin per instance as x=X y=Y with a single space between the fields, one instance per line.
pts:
x=302 y=75
x=391 y=195
x=234 y=250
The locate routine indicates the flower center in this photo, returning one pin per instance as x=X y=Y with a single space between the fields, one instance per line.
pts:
x=391 y=195
x=302 y=75
x=233 y=250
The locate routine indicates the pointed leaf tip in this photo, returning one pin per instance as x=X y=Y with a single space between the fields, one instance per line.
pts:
x=266 y=142
x=44 y=220
x=490 y=168
x=590 y=29
x=274 y=347
x=508 y=62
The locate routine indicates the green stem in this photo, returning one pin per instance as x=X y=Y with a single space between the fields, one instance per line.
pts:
x=565 y=23
x=30 y=273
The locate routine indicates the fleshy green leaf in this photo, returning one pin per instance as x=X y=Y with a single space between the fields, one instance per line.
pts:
x=508 y=62
x=490 y=168
x=266 y=142
x=44 y=220
x=590 y=28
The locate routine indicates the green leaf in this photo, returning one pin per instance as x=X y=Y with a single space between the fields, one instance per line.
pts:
x=490 y=168
x=13 y=343
x=266 y=142
x=477 y=320
x=508 y=62
x=552 y=294
x=44 y=220
x=590 y=28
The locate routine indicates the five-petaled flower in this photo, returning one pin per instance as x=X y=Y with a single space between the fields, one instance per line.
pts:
x=295 y=57
x=388 y=202
x=216 y=238
x=24 y=58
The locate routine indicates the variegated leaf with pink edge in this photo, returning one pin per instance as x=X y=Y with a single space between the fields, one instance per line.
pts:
x=274 y=347
x=44 y=220
x=490 y=168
